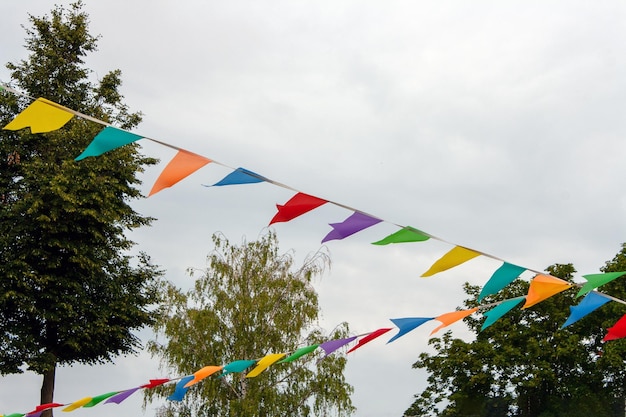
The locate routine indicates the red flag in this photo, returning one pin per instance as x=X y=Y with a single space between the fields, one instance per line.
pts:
x=617 y=331
x=296 y=206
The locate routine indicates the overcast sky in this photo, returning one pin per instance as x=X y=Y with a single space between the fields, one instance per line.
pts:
x=494 y=125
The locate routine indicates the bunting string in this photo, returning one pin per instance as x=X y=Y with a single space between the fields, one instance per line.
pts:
x=43 y=116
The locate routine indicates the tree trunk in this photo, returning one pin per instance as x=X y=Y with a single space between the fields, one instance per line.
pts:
x=47 y=389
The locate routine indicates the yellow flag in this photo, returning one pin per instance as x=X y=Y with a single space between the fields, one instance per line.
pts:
x=41 y=116
x=455 y=257
x=544 y=286
x=77 y=404
x=264 y=363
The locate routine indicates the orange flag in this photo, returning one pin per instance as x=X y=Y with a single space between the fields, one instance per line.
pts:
x=449 y=318
x=544 y=286
x=454 y=257
x=205 y=372
x=182 y=165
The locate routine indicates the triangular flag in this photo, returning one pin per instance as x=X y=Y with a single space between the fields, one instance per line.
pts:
x=500 y=279
x=298 y=204
x=454 y=257
x=77 y=404
x=353 y=224
x=332 y=345
x=543 y=287
x=265 y=363
x=369 y=338
x=41 y=408
x=108 y=139
x=407 y=324
x=404 y=235
x=591 y=302
x=42 y=116
x=155 y=383
x=500 y=310
x=299 y=353
x=597 y=280
x=618 y=330
x=118 y=398
x=205 y=372
x=237 y=366
x=240 y=176
x=182 y=165
x=99 y=398
x=454 y=316
x=180 y=390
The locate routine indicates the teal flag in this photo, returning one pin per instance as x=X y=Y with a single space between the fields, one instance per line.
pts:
x=108 y=139
x=500 y=310
x=500 y=279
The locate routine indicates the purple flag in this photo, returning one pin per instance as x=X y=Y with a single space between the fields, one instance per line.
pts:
x=332 y=345
x=118 y=398
x=355 y=223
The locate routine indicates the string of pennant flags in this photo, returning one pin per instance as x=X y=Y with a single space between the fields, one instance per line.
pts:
x=43 y=116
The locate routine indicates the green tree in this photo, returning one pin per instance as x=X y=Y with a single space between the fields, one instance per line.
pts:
x=525 y=364
x=69 y=290
x=247 y=304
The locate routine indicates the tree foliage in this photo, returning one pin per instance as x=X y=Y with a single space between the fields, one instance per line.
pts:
x=247 y=304
x=525 y=364
x=69 y=291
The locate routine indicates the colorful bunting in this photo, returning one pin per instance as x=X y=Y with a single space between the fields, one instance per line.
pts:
x=449 y=318
x=181 y=389
x=41 y=116
x=500 y=310
x=454 y=257
x=597 y=280
x=618 y=330
x=373 y=335
x=181 y=166
x=542 y=287
x=240 y=176
x=299 y=353
x=299 y=204
x=44 y=116
x=404 y=235
x=265 y=363
x=108 y=139
x=500 y=279
x=405 y=325
x=591 y=302
x=332 y=345
x=353 y=224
